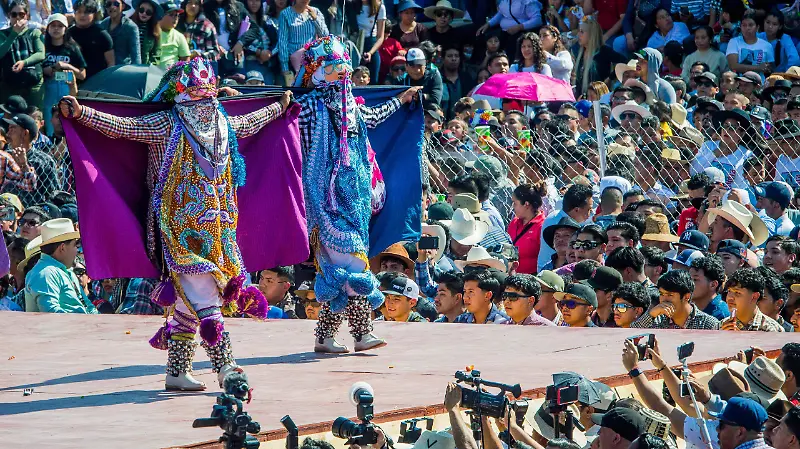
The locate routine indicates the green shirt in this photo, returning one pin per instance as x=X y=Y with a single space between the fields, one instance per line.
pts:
x=173 y=47
x=52 y=287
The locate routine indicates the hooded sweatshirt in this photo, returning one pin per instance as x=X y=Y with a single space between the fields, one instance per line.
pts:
x=661 y=88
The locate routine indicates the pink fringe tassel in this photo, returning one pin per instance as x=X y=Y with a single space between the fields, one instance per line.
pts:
x=253 y=303
x=211 y=330
x=232 y=291
x=159 y=340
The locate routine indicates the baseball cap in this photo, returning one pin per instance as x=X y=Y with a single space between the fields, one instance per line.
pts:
x=550 y=280
x=734 y=247
x=171 y=5
x=584 y=107
x=435 y=114
x=626 y=422
x=743 y=412
x=605 y=278
x=694 y=239
x=440 y=211
x=490 y=165
x=686 y=257
x=716 y=175
x=760 y=112
x=401 y=285
x=750 y=77
x=254 y=75
x=416 y=56
x=778 y=192
x=25 y=121
x=709 y=76
x=709 y=103
x=579 y=290
x=14 y=200
x=15 y=104
x=607 y=397
x=58 y=17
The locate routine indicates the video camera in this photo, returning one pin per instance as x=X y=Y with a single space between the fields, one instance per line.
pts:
x=483 y=403
x=228 y=415
x=362 y=396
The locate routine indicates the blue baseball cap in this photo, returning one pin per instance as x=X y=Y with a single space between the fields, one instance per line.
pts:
x=686 y=257
x=779 y=192
x=584 y=107
x=743 y=412
x=694 y=239
x=734 y=247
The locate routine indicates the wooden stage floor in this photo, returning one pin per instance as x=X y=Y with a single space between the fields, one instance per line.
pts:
x=97 y=382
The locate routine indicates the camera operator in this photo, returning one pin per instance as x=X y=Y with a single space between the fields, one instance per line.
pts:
x=461 y=430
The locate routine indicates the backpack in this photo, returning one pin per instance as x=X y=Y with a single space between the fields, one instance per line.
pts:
x=22 y=47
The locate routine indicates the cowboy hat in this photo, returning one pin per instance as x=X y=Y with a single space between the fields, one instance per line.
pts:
x=629 y=106
x=397 y=251
x=725 y=382
x=674 y=155
x=542 y=423
x=478 y=255
x=785 y=129
x=465 y=229
x=656 y=229
x=616 y=148
x=306 y=291
x=742 y=218
x=623 y=67
x=471 y=203
x=678 y=115
x=634 y=83
x=549 y=232
x=792 y=74
x=32 y=249
x=436 y=231
x=719 y=117
x=443 y=4
x=58 y=230
x=763 y=375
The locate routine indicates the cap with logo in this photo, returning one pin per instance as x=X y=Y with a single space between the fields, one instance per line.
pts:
x=777 y=191
x=401 y=285
x=605 y=278
x=25 y=122
x=734 y=247
x=694 y=239
x=686 y=257
x=416 y=56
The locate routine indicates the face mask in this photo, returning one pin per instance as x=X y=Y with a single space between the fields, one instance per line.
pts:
x=697 y=202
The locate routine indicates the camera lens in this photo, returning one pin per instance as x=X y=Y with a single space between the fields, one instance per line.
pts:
x=344 y=428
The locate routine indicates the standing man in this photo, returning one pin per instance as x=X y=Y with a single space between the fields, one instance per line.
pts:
x=51 y=286
x=578 y=205
x=174 y=47
x=124 y=33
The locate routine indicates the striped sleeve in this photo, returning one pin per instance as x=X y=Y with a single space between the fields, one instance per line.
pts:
x=283 y=40
x=150 y=129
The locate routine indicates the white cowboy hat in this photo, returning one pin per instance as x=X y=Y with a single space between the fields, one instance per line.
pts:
x=478 y=255
x=764 y=377
x=650 y=97
x=465 y=229
x=743 y=219
x=471 y=203
x=629 y=106
x=31 y=250
x=443 y=4
x=542 y=423
x=615 y=148
x=436 y=231
x=58 y=230
x=679 y=114
x=623 y=67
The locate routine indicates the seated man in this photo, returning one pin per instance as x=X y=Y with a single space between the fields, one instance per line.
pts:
x=480 y=292
x=745 y=290
x=401 y=295
x=522 y=292
x=676 y=310
x=577 y=302
x=630 y=301
x=449 y=299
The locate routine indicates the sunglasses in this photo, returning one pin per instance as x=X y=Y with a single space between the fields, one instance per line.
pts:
x=31 y=223
x=79 y=271
x=146 y=11
x=571 y=304
x=621 y=307
x=110 y=4
x=399 y=68
x=16 y=15
x=585 y=244
x=507 y=296
x=441 y=13
x=547 y=290
x=628 y=116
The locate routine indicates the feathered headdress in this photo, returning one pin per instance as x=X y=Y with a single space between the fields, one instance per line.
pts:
x=194 y=77
x=324 y=53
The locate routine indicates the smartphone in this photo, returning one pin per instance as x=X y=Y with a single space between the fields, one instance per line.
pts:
x=567 y=395
x=64 y=76
x=684 y=389
x=748 y=355
x=429 y=242
x=7 y=214
x=643 y=342
x=685 y=350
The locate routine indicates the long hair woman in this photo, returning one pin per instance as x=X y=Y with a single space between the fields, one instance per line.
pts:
x=146 y=16
x=558 y=57
x=227 y=17
x=525 y=229
x=782 y=44
x=530 y=56
x=372 y=20
x=260 y=42
x=594 y=61
x=199 y=32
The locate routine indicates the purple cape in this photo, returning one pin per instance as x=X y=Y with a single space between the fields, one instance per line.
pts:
x=110 y=183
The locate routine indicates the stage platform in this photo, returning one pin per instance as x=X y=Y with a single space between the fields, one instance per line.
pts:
x=97 y=383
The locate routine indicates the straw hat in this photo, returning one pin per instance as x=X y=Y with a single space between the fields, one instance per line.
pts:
x=465 y=229
x=742 y=218
x=58 y=230
x=792 y=74
x=436 y=231
x=478 y=255
x=764 y=377
x=656 y=229
x=679 y=115
x=623 y=67
x=650 y=97
x=615 y=148
x=443 y=4
x=31 y=249
x=397 y=251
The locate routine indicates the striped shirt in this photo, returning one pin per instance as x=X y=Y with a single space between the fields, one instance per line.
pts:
x=12 y=175
x=294 y=30
x=698 y=8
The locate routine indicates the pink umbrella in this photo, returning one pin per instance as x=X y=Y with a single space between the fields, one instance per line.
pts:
x=526 y=86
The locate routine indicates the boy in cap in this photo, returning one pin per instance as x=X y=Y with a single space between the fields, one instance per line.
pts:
x=776 y=197
x=619 y=427
x=401 y=298
x=577 y=303
x=675 y=309
x=550 y=283
x=745 y=290
x=604 y=280
x=733 y=254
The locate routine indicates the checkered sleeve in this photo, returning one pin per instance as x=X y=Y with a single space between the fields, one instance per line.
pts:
x=14 y=175
x=645 y=322
x=150 y=129
x=424 y=279
x=305 y=120
x=375 y=115
x=248 y=124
